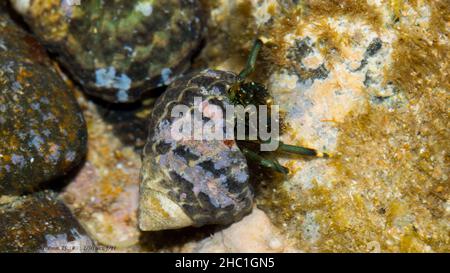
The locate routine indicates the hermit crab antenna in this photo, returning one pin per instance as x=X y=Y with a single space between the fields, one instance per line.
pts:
x=250 y=67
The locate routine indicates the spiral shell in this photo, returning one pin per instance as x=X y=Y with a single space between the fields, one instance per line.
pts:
x=192 y=182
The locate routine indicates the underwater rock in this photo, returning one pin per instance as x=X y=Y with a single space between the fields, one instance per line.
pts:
x=254 y=234
x=118 y=49
x=40 y=223
x=42 y=129
x=107 y=206
x=367 y=82
x=334 y=86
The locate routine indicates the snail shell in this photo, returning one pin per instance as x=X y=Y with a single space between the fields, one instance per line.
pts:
x=192 y=182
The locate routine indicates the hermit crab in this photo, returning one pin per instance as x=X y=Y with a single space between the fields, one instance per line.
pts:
x=189 y=181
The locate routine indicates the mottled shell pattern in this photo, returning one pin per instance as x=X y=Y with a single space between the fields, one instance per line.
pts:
x=118 y=49
x=192 y=182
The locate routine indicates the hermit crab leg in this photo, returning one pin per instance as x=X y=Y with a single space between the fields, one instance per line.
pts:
x=251 y=61
x=292 y=149
x=282 y=147
x=265 y=162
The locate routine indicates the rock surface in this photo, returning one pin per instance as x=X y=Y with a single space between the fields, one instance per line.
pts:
x=366 y=81
x=42 y=129
x=118 y=49
x=40 y=223
x=255 y=233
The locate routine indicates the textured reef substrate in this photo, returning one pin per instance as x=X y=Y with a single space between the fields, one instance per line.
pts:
x=365 y=81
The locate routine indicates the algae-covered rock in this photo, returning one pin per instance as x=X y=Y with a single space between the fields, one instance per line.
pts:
x=42 y=129
x=40 y=223
x=118 y=49
x=367 y=82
